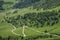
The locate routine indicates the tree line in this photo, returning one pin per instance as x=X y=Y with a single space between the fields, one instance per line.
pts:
x=34 y=19
x=24 y=3
x=26 y=38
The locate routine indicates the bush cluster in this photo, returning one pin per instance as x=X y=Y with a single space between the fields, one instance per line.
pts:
x=34 y=19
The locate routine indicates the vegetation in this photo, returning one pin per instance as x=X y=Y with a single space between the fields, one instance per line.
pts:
x=35 y=19
x=29 y=19
x=36 y=4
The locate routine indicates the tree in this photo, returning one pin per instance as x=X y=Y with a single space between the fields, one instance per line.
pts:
x=1 y=3
x=1 y=38
x=10 y=38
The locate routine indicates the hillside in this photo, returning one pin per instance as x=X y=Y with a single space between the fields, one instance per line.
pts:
x=29 y=19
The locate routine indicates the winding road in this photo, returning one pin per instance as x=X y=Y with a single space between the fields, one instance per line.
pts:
x=14 y=28
x=24 y=35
